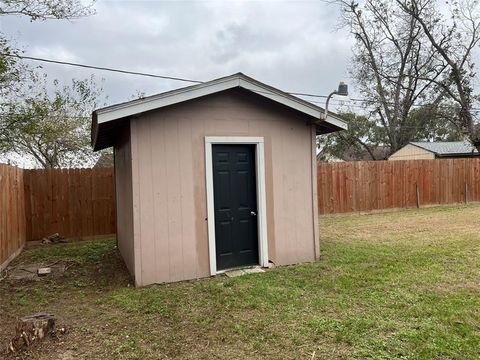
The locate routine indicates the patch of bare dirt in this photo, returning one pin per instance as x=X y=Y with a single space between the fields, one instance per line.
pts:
x=71 y=292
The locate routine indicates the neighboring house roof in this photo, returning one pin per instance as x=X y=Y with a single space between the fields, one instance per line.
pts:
x=448 y=148
x=105 y=160
x=105 y=120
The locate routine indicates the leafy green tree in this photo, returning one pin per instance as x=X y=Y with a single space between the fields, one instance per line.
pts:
x=48 y=127
x=366 y=135
x=429 y=123
x=52 y=128
x=362 y=136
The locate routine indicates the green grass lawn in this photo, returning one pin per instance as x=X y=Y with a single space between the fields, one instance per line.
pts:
x=402 y=285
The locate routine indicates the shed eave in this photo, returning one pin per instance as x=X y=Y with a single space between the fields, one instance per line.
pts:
x=153 y=102
x=457 y=154
x=124 y=110
x=336 y=121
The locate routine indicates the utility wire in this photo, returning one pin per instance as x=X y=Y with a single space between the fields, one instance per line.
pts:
x=165 y=77
x=103 y=68
x=59 y=62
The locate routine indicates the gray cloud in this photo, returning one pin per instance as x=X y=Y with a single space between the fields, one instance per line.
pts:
x=290 y=45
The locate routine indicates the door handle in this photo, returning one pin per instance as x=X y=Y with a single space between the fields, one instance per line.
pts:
x=253 y=213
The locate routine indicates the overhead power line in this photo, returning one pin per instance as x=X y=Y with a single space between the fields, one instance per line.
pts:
x=193 y=81
x=129 y=72
x=104 y=68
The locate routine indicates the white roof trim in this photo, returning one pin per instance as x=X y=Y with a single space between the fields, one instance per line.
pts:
x=119 y=111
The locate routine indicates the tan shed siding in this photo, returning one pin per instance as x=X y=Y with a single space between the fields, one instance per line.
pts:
x=411 y=152
x=123 y=185
x=290 y=150
x=169 y=179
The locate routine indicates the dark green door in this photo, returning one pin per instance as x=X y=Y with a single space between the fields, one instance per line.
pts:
x=235 y=202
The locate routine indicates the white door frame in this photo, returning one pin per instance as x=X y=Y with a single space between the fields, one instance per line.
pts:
x=261 y=195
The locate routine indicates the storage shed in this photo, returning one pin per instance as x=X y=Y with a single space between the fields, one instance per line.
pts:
x=214 y=176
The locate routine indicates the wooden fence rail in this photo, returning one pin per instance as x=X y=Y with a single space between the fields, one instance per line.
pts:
x=376 y=185
x=12 y=213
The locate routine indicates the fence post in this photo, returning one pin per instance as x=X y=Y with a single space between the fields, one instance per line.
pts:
x=466 y=192
x=417 y=192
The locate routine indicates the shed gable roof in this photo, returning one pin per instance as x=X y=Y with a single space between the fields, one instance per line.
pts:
x=105 y=120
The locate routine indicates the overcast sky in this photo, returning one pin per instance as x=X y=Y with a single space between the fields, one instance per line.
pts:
x=292 y=45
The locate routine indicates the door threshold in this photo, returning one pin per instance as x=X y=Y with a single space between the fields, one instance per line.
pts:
x=242 y=271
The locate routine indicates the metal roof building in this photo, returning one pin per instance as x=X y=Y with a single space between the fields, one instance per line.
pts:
x=435 y=150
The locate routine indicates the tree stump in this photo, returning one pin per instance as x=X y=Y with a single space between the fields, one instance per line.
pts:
x=31 y=329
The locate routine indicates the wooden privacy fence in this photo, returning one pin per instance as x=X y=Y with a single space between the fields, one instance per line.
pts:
x=376 y=185
x=71 y=202
x=12 y=210
x=81 y=202
x=38 y=203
